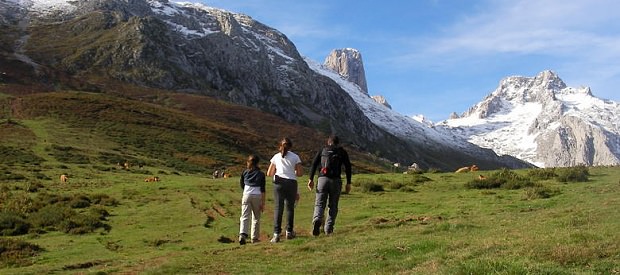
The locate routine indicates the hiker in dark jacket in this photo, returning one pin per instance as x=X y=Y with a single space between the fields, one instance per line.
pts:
x=330 y=160
x=252 y=182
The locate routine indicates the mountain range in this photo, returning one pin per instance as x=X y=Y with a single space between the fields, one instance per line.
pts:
x=105 y=45
x=541 y=120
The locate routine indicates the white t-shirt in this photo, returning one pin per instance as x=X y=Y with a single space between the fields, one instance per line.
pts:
x=251 y=190
x=285 y=167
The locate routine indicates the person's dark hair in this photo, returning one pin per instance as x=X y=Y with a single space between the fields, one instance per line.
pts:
x=333 y=140
x=252 y=162
x=285 y=145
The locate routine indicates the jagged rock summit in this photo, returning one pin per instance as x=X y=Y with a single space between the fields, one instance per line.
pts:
x=541 y=120
x=348 y=63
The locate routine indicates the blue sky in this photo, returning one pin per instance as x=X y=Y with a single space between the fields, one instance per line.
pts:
x=434 y=57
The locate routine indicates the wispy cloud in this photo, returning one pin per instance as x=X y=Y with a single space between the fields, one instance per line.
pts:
x=573 y=29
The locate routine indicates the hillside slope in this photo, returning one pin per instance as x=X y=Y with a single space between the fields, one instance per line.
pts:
x=179 y=133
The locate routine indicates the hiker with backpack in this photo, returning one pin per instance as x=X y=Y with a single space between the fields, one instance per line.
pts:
x=330 y=159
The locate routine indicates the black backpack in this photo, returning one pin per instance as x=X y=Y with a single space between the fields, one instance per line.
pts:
x=331 y=162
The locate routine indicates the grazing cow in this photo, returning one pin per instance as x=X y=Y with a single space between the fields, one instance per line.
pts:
x=227 y=175
x=467 y=169
x=462 y=169
x=126 y=165
x=481 y=177
x=151 y=179
x=63 y=178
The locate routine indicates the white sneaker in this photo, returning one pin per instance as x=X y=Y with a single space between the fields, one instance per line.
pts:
x=276 y=238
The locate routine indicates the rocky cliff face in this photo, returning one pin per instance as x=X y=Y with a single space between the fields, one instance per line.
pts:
x=348 y=63
x=576 y=142
x=184 y=47
x=541 y=120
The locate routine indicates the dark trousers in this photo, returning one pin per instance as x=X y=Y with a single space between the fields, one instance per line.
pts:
x=327 y=190
x=284 y=194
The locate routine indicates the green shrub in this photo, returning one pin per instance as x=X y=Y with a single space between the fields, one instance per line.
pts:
x=371 y=187
x=68 y=154
x=9 y=176
x=79 y=201
x=573 y=174
x=33 y=187
x=394 y=185
x=504 y=178
x=41 y=176
x=50 y=216
x=17 y=202
x=46 y=198
x=518 y=183
x=540 y=192
x=418 y=178
x=103 y=199
x=11 y=155
x=542 y=173
x=12 y=224
x=81 y=223
x=489 y=183
x=16 y=253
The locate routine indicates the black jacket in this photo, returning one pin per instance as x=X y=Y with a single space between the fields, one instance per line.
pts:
x=254 y=177
x=344 y=157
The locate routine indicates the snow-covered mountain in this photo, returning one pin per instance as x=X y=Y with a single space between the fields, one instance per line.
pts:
x=541 y=120
x=422 y=134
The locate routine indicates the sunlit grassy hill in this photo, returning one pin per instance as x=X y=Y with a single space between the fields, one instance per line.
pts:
x=179 y=133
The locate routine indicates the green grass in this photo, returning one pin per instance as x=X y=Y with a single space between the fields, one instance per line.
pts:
x=181 y=225
x=109 y=221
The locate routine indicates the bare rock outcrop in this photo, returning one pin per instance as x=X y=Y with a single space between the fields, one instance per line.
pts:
x=348 y=63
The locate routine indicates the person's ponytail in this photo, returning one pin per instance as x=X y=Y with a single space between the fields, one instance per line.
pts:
x=285 y=146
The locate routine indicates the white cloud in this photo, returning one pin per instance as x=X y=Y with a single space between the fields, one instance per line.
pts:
x=557 y=28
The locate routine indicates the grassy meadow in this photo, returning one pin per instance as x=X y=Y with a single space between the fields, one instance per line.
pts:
x=430 y=223
x=107 y=220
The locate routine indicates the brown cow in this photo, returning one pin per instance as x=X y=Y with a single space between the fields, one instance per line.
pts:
x=151 y=179
x=64 y=178
x=462 y=169
x=467 y=169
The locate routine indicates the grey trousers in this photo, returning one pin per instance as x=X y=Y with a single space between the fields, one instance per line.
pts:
x=327 y=191
x=284 y=194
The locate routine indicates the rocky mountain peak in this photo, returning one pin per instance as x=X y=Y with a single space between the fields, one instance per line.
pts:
x=348 y=63
x=541 y=88
x=381 y=100
x=516 y=90
x=541 y=120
